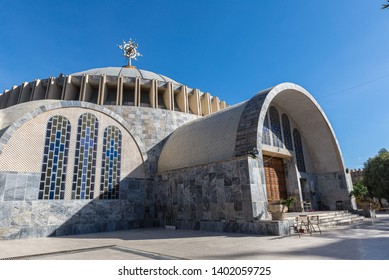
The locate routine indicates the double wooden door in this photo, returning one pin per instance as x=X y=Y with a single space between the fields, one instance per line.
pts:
x=275 y=178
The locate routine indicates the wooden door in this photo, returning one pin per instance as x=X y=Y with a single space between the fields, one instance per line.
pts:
x=275 y=178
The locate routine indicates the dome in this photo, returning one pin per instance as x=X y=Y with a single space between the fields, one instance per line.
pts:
x=127 y=72
x=122 y=86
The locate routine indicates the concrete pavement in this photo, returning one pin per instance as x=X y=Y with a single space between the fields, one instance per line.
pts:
x=368 y=240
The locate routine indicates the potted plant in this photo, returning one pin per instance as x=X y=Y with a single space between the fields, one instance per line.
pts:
x=288 y=203
x=280 y=207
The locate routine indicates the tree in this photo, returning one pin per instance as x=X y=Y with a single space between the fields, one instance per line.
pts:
x=359 y=191
x=376 y=175
x=385 y=6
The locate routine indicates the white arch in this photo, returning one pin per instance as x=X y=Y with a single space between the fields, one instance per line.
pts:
x=312 y=121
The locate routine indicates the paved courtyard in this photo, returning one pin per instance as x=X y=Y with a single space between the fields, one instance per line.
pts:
x=368 y=240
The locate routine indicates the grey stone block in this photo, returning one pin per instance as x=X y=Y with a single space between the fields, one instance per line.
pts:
x=238 y=206
x=86 y=228
x=247 y=211
x=31 y=192
x=9 y=233
x=33 y=232
x=2 y=185
x=20 y=193
x=21 y=214
x=206 y=203
x=10 y=187
x=57 y=214
x=87 y=213
x=5 y=214
x=102 y=211
x=229 y=194
x=40 y=213
x=115 y=213
x=246 y=193
x=63 y=230
x=111 y=226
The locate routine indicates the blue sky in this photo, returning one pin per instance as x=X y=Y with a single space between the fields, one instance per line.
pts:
x=337 y=50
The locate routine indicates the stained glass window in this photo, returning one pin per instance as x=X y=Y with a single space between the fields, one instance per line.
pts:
x=55 y=159
x=85 y=157
x=298 y=146
x=266 y=131
x=276 y=127
x=287 y=133
x=110 y=167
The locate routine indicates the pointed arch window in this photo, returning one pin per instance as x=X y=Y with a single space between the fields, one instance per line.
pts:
x=110 y=167
x=85 y=157
x=276 y=127
x=298 y=146
x=55 y=159
x=266 y=131
x=287 y=134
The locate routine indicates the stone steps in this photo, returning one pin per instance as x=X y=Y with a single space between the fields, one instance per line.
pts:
x=334 y=218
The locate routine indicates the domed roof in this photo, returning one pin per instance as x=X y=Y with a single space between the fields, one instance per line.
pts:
x=127 y=72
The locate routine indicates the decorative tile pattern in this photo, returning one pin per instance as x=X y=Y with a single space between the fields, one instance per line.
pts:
x=266 y=131
x=55 y=159
x=298 y=146
x=287 y=134
x=276 y=127
x=110 y=167
x=85 y=157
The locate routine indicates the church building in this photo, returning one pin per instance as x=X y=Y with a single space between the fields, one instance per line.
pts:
x=120 y=148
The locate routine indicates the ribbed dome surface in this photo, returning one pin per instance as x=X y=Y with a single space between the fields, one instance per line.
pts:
x=128 y=72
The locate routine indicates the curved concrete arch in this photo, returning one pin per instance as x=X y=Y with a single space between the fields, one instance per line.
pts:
x=305 y=111
x=44 y=107
x=312 y=123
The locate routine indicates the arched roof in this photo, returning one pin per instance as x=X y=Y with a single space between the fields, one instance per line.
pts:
x=312 y=122
x=127 y=72
x=204 y=140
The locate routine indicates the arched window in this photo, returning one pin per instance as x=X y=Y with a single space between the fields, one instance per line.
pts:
x=276 y=127
x=110 y=167
x=85 y=157
x=55 y=159
x=287 y=133
x=266 y=131
x=298 y=146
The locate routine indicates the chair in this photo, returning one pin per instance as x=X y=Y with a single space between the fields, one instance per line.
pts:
x=314 y=222
x=293 y=225
x=307 y=206
x=302 y=224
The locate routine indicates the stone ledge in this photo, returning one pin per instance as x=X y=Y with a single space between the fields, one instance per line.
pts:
x=264 y=227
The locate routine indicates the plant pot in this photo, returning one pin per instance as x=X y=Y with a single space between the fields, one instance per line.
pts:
x=277 y=216
x=277 y=211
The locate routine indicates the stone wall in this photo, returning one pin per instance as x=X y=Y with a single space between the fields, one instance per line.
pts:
x=227 y=196
x=331 y=188
x=212 y=192
x=152 y=126
x=22 y=215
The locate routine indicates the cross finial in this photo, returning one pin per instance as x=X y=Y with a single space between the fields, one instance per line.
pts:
x=130 y=50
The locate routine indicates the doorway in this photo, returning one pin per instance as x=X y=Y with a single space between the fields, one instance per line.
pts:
x=275 y=178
